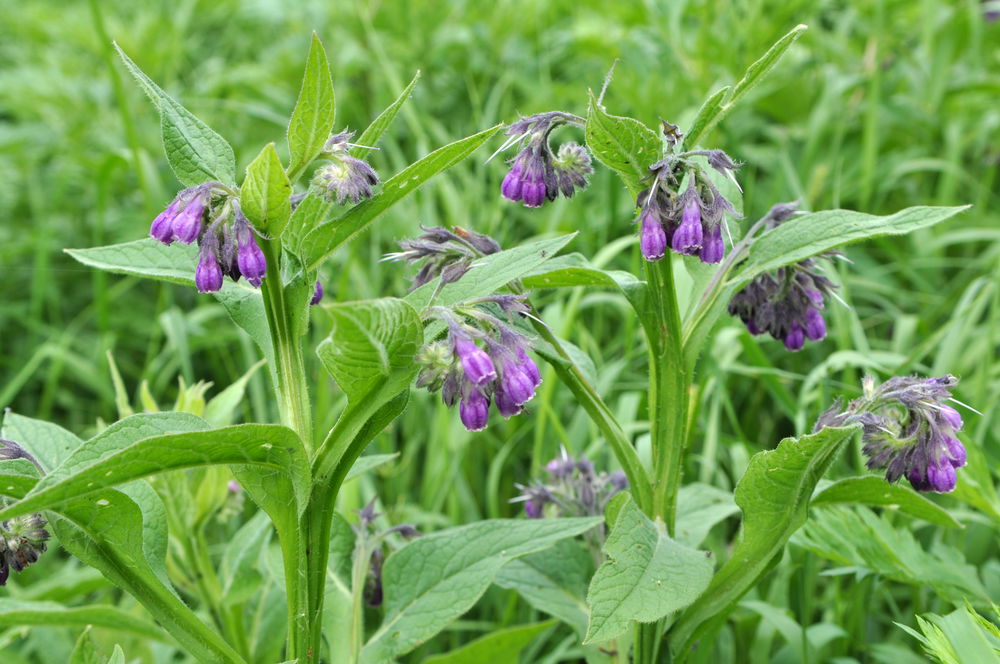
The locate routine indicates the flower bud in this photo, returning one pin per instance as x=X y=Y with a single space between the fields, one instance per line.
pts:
x=317 y=294
x=474 y=410
x=249 y=257
x=476 y=364
x=162 y=227
x=713 y=248
x=187 y=223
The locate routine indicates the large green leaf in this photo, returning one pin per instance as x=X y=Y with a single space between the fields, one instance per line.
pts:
x=238 y=573
x=175 y=264
x=553 y=581
x=499 y=647
x=49 y=443
x=623 y=144
x=328 y=237
x=575 y=270
x=265 y=194
x=699 y=508
x=147 y=444
x=315 y=111
x=196 y=153
x=773 y=495
x=24 y=612
x=810 y=234
x=646 y=576
x=872 y=490
x=435 y=579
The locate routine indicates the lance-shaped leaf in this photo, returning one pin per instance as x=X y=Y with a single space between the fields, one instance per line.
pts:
x=175 y=264
x=15 y=612
x=265 y=194
x=196 y=153
x=147 y=444
x=328 y=237
x=623 y=144
x=502 y=646
x=370 y=136
x=716 y=107
x=646 y=576
x=874 y=490
x=435 y=579
x=774 y=496
x=575 y=270
x=48 y=443
x=315 y=111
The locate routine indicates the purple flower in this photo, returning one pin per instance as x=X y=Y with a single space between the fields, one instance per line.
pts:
x=907 y=430
x=712 y=248
x=317 y=294
x=572 y=168
x=22 y=542
x=162 y=227
x=249 y=256
x=208 y=274
x=476 y=364
x=575 y=488
x=187 y=223
x=515 y=383
x=536 y=175
x=688 y=236
x=529 y=367
x=474 y=410
x=506 y=405
x=182 y=219
x=653 y=241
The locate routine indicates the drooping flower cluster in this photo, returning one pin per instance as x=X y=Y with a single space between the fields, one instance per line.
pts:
x=210 y=214
x=909 y=430
x=787 y=303
x=499 y=371
x=574 y=489
x=22 y=542
x=448 y=254
x=345 y=178
x=690 y=221
x=536 y=174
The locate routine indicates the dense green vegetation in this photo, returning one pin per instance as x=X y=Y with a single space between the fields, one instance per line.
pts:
x=879 y=106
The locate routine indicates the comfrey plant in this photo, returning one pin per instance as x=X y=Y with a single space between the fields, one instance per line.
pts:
x=134 y=501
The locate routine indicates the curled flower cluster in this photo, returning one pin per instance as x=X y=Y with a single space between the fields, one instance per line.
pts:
x=210 y=214
x=467 y=374
x=690 y=221
x=447 y=254
x=908 y=430
x=786 y=303
x=344 y=178
x=22 y=542
x=574 y=489
x=536 y=174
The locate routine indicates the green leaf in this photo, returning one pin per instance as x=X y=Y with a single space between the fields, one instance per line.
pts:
x=366 y=463
x=238 y=572
x=435 y=579
x=773 y=495
x=265 y=194
x=575 y=270
x=314 y=114
x=328 y=237
x=810 y=234
x=553 y=581
x=646 y=576
x=499 y=647
x=715 y=108
x=85 y=651
x=370 y=136
x=175 y=264
x=195 y=152
x=371 y=347
x=699 y=508
x=117 y=655
x=623 y=144
x=49 y=443
x=23 y=612
x=106 y=531
x=490 y=273
x=871 y=490
x=309 y=214
x=147 y=444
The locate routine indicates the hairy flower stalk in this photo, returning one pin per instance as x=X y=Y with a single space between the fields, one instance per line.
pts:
x=345 y=178
x=908 y=430
x=538 y=175
x=689 y=221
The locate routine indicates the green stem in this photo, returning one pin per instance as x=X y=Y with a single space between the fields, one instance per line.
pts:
x=295 y=411
x=668 y=389
x=601 y=415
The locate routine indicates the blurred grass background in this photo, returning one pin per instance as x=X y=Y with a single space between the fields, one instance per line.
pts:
x=882 y=104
